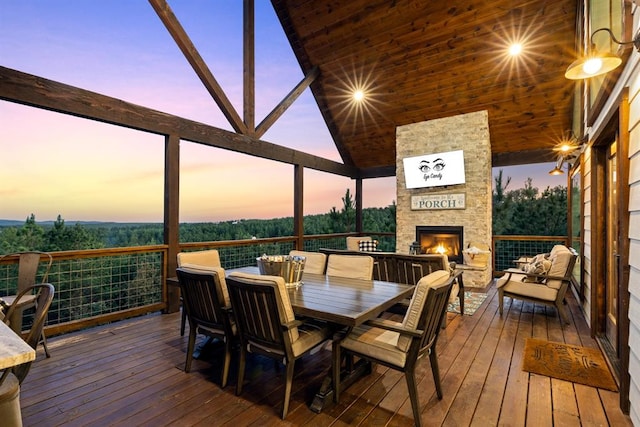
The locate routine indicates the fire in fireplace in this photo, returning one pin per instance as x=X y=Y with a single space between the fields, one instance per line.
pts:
x=441 y=240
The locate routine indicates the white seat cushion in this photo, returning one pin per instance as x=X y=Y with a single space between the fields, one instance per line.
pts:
x=209 y=258
x=350 y=266
x=513 y=274
x=222 y=291
x=531 y=290
x=418 y=300
x=560 y=258
x=376 y=342
x=315 y=262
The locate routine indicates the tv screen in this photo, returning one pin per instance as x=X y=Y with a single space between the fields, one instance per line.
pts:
x=434 y=170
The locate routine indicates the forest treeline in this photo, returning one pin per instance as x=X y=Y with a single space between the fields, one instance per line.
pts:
x=525 y=211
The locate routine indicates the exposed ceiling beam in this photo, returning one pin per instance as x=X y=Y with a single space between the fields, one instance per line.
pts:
x=39 y=92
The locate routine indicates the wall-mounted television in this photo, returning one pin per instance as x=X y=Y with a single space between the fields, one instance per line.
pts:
x=434 y=170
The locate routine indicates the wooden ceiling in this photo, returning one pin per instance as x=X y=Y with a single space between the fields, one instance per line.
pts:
x=420 y=60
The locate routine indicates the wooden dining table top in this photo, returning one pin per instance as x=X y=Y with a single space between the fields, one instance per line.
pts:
x=13 y=349
x=348 y=302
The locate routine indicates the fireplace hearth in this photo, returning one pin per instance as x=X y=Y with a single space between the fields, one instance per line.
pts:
x=441 y=240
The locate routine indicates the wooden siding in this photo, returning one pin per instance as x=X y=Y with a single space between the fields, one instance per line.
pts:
x=130 y=373
x=627 y=80
x=634 y=248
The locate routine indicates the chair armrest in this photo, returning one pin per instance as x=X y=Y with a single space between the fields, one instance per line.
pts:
x=392 y=326
x=563 y=278
x=456 y=274
x=509 y=272
x=545 y=277
x=290 y=325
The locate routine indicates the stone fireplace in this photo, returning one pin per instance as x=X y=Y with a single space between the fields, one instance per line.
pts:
x=441 y=240
x=471 y=209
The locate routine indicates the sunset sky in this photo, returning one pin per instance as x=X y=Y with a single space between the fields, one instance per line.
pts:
x=53 y=164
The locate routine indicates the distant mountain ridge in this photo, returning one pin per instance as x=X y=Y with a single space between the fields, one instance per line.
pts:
x=17 y=223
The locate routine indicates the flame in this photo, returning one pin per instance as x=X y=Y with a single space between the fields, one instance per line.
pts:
x=440 y=249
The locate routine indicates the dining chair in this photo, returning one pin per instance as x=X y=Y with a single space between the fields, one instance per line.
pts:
x=401 y=345
x=42 y=295
x=267 y=325
x=350 y=266
x=12 y=378
x=29 y=262
x=315 y=262
x=353 y=242
x=206 y=302
x=198 y=260
x=547 y=287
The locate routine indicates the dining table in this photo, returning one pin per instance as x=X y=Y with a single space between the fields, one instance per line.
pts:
x=340 y=300
x=13 y=349
x=344 y=302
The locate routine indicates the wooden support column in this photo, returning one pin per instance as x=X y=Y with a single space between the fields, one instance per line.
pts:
x=172 y=217
x=624 y=268
x=298 y=206
x=249 y=66
x=359 y=205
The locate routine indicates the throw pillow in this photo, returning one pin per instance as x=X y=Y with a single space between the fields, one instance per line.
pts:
x=539 y=267
x=368 y=245
x=526 y=263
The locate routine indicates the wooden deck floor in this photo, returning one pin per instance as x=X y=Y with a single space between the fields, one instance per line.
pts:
x=130 y=373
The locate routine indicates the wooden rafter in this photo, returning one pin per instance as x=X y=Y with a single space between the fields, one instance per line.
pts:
x=190 y=52
x=286 y=102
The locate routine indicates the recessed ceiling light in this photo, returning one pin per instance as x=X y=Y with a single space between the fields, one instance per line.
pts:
x=358 y=95
x=515 y=49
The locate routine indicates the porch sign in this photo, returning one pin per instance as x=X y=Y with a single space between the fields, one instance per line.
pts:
x=438 y=201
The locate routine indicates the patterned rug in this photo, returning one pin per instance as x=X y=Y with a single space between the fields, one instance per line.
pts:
x=472 y=300
x=583 y=365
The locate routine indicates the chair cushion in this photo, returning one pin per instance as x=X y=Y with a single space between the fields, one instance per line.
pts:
x=315 y=262
x=368 y=245
x=222 y=291
x=350 y=266
x=286 y=310
x=511 y=274
x=531 y=290
x=310 y=334
x=560 y=258
x=418 y=300
x=210 y=258
x=376 y=342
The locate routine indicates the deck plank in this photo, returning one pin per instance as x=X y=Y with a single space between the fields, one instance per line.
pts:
x=131 y=373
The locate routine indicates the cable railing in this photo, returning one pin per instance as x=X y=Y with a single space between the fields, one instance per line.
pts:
x=103 y=285
x=506 y=249
x=98 y=286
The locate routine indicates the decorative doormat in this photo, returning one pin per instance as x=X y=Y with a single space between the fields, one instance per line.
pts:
x=582 y=365
x=472 y=300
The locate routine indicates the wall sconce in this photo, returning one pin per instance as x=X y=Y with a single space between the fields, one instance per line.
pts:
x=595 y=64
x=558 y=169
x=569 y=150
